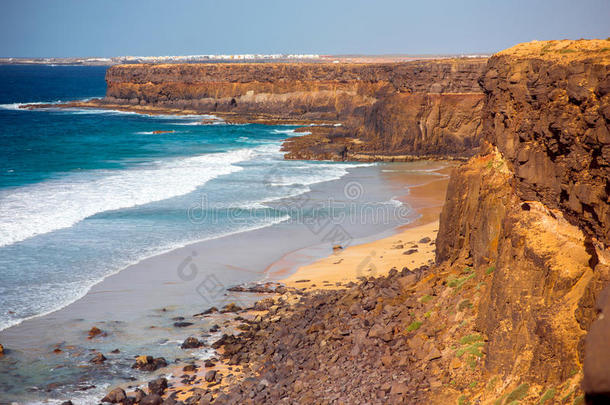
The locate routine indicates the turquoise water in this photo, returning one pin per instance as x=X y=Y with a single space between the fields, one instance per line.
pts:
x=84 y=193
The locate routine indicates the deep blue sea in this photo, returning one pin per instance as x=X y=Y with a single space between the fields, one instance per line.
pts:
x=84 y=193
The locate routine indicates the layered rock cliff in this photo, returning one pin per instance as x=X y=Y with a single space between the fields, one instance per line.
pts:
x=386 y=111
x=535 y=210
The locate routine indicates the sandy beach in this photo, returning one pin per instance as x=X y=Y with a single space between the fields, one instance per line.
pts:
x=411 y=246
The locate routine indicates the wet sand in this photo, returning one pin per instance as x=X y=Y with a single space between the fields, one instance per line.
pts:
x=373 y=259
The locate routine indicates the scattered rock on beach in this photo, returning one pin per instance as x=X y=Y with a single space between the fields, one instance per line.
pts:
x=337 y=247
x=67 y=403
x=425 y=240
x=115 y=396
x=410 y=251
x=98 y=358
x=95 y=331
x=189 y=368
x=210 y=375
x=1 y=350
x=191 y=343
x=232 y=307
x=157 y=386
x=148 y=363
x=258 y=288
x=207 y=312
x=182 y=324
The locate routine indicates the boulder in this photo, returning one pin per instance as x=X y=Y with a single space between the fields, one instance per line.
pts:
x=115 y=396
x=148 y=363
x=157 y=386
x=98 y=358
x=94 y=331
x=232 y=307
x=191 y=343
x=210 y=375
x=381 y=331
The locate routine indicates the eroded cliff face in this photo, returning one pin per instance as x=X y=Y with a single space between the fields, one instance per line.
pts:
x=400 y=110
x=403 y=126
x=534 y=211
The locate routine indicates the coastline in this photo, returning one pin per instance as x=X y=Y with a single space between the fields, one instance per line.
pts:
x=147 y=327
x=374 y=257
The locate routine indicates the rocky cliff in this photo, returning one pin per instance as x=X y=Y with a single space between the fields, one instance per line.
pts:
x=535 y=211
x=401 y=110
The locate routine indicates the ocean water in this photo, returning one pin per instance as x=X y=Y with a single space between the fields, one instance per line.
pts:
x=84 y=193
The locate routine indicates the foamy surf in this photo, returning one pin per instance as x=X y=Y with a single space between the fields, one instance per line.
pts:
x=44 y=207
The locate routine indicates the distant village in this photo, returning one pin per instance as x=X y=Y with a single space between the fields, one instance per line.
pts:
x=160 y=59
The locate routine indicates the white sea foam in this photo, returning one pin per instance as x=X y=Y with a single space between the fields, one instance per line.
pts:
x=289 y=132
x=393 y=201
x=17 y=106
x=68 y=293
x=44 y=207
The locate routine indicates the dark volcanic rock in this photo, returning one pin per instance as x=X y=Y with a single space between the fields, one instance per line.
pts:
x=98 y=358
x=210 y=375
x=115 y=396
x=157 y=386
x=95 y=331
x=191 y=343
x=182 y=324
x=148 y=363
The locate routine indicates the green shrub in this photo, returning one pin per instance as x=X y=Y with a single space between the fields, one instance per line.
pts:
x=469 y=339
x=425 y=299
x=517 y=394
x=458 y=282
x=415 y=325
x=549 y=394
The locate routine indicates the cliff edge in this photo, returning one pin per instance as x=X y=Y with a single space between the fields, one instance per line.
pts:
x=535 y=208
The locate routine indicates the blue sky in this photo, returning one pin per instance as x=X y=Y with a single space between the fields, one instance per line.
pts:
x=179 y=27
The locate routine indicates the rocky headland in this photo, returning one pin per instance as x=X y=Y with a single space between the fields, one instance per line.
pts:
x=363 y=111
